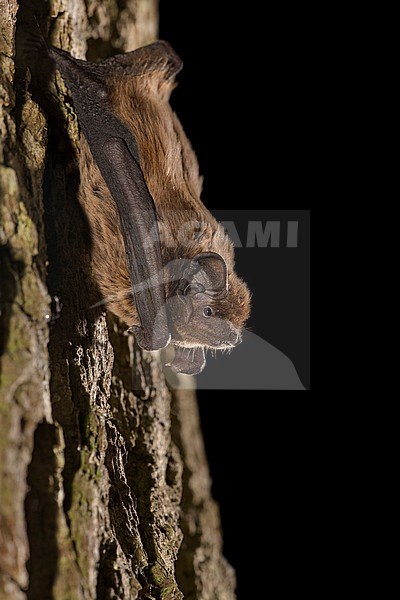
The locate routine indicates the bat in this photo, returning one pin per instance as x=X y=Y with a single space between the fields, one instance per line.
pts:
x=162 y=263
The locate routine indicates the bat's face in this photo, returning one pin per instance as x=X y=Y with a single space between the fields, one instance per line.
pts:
x=211 y=306
x=198 y=322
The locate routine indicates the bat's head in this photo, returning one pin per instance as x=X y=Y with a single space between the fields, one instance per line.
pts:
x=211 y=305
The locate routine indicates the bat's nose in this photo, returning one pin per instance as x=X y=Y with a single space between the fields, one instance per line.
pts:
x=235 y=338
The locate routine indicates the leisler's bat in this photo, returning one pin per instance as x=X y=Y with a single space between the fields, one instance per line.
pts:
x=161 y=261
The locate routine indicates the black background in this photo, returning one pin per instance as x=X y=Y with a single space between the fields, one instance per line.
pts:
x=241 y=99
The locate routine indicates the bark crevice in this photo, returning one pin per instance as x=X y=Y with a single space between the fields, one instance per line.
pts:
x=41 y=511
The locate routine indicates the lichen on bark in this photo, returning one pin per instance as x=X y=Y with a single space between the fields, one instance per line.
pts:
x=104 y=485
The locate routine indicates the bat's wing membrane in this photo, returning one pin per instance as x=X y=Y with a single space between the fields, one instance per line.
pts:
x=138 y=218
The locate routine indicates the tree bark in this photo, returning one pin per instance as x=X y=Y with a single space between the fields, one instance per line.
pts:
x=104 y=484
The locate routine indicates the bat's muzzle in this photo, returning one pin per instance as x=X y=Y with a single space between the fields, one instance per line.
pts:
x=235 y=339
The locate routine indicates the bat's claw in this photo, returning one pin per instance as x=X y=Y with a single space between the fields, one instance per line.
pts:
x=151 y=341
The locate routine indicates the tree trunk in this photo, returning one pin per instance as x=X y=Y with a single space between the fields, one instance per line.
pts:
x=104 y=485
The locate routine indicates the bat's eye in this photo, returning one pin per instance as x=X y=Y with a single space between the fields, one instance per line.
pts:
x=208 y=311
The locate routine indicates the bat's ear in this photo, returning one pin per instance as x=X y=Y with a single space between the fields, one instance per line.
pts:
x=208 y=274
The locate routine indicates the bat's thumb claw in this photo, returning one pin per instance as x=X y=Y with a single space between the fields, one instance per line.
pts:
x=152 y=341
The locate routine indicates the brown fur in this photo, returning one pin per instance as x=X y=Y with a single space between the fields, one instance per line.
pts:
x=171 y=172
